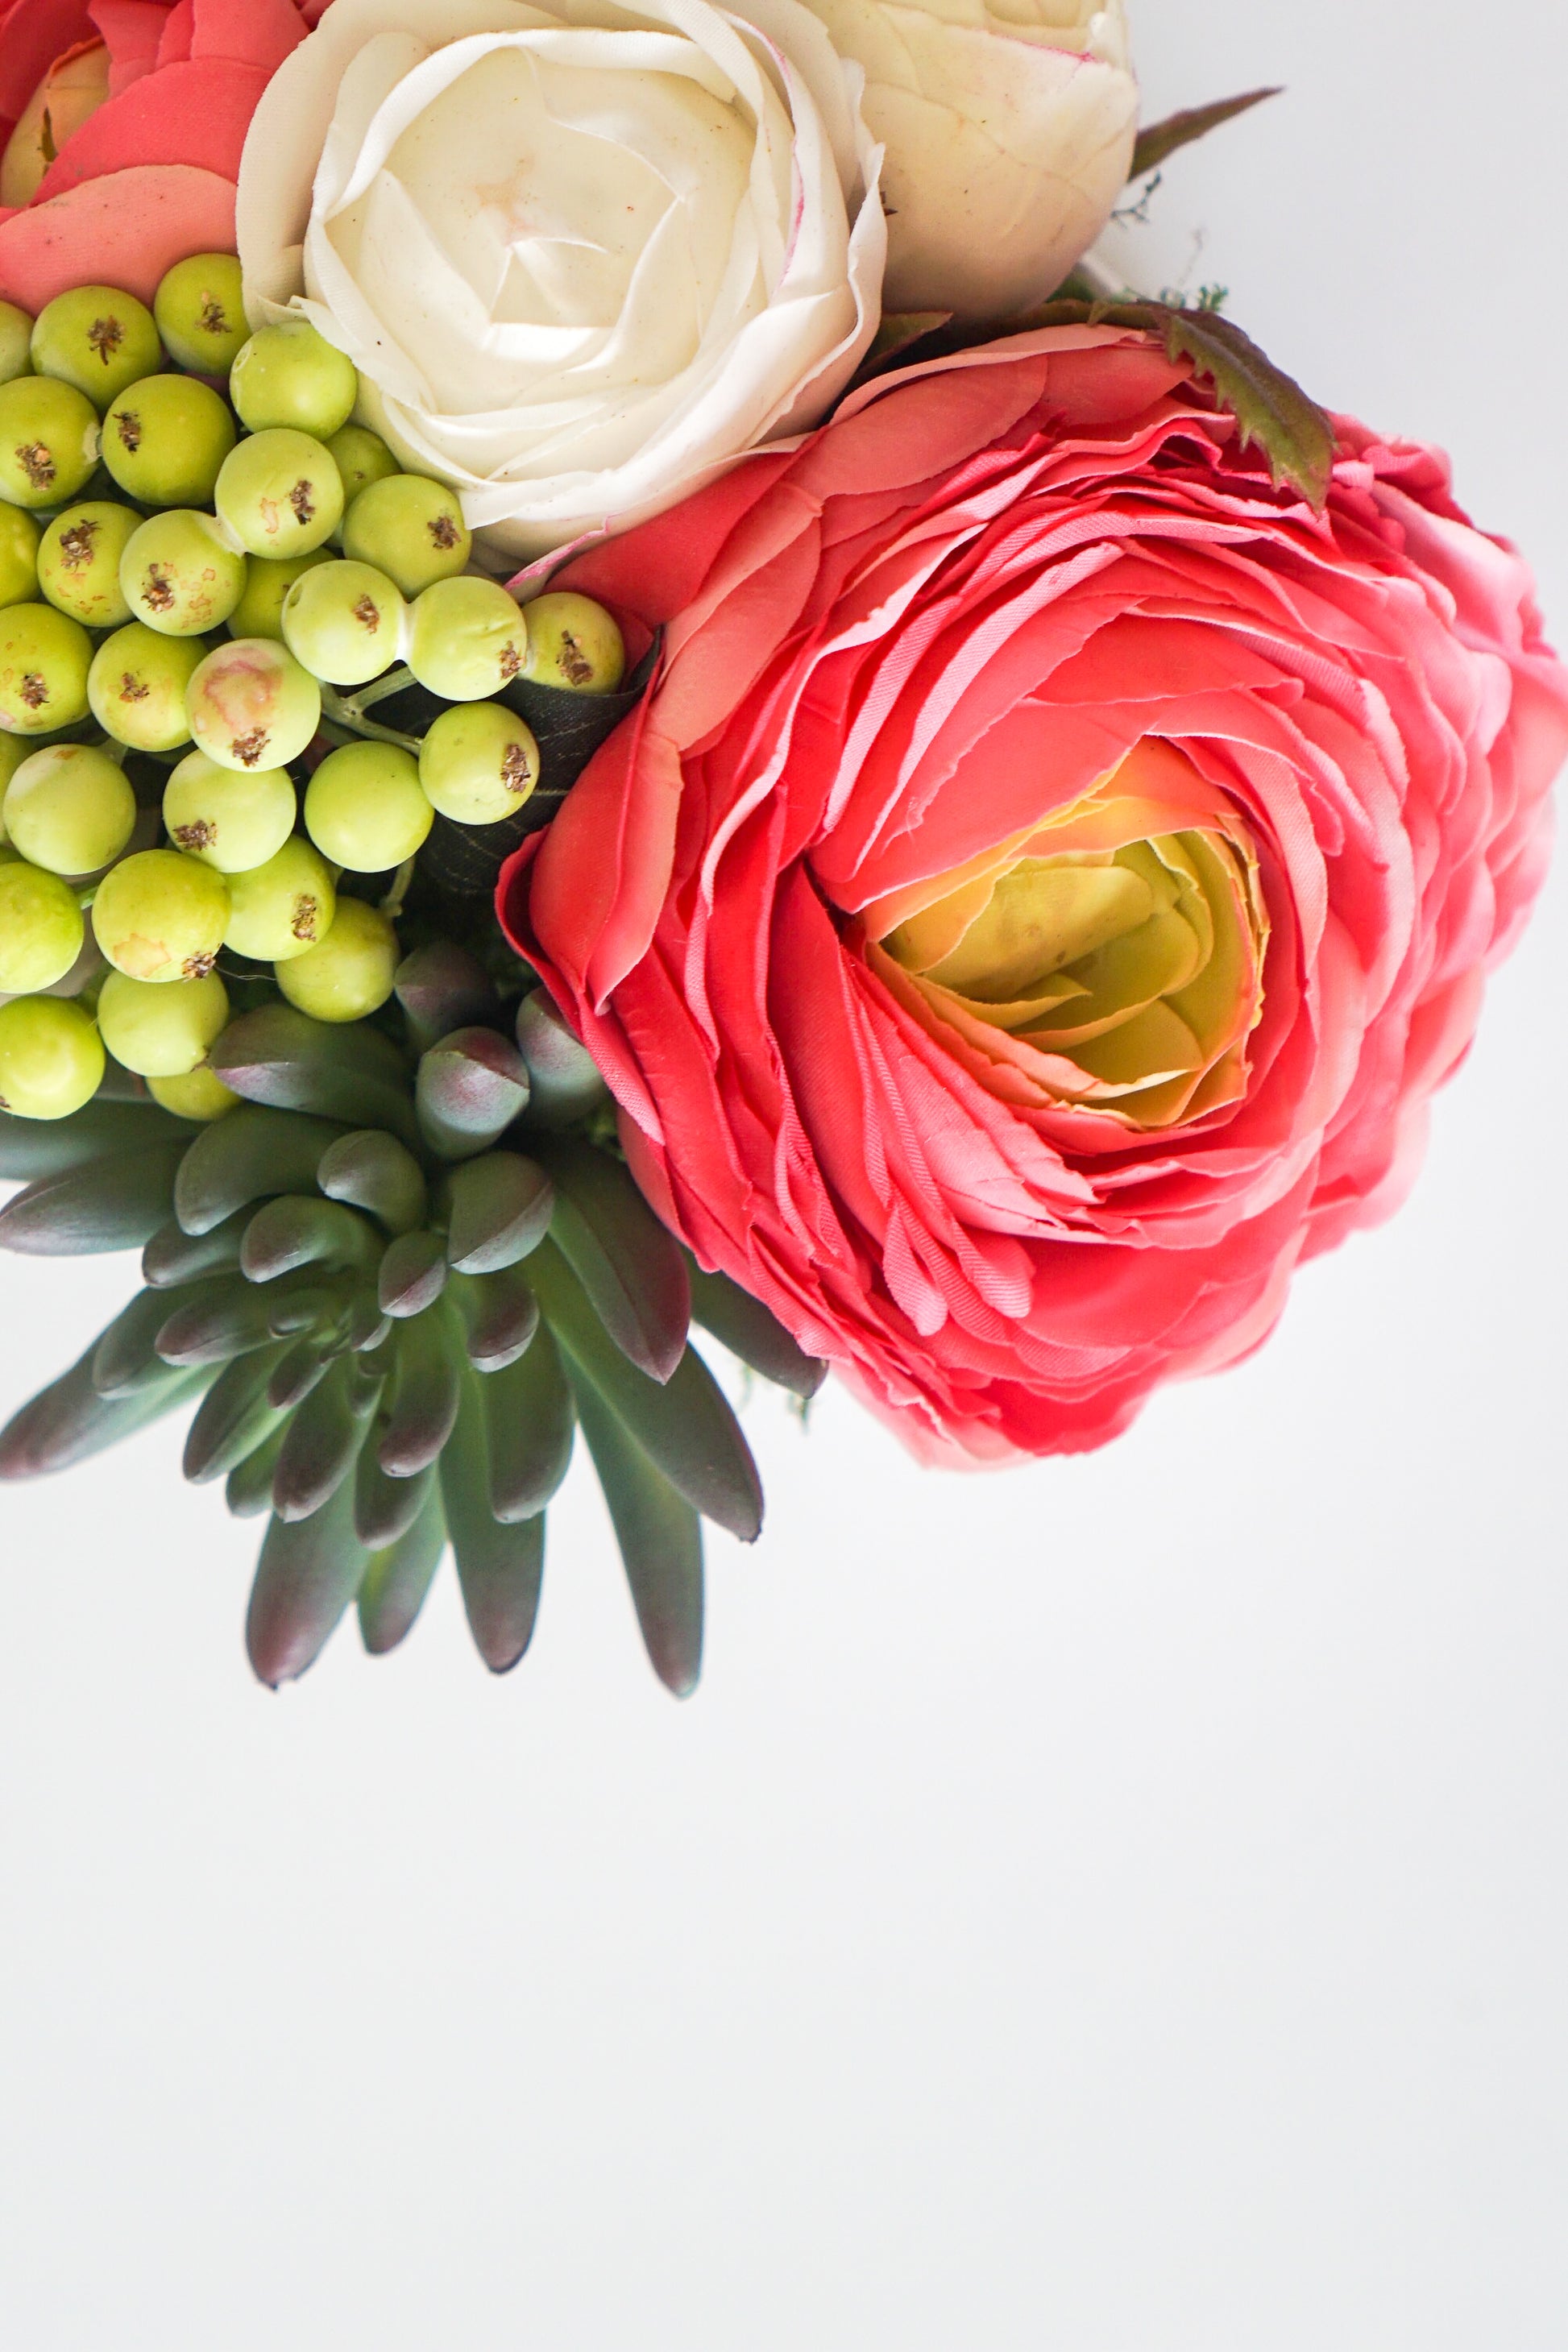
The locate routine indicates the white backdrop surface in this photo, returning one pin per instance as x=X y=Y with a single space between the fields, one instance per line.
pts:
x=1117 y=1906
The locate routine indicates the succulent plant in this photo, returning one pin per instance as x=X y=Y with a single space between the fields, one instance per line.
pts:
x=394 y=1282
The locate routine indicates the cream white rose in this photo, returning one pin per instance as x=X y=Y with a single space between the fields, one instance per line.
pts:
x=1008 y=128
x=583 y=258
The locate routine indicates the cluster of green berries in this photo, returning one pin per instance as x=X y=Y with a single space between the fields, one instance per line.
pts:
x=196 y=541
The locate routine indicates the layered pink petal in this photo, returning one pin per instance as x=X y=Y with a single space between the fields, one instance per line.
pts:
x=125 y=230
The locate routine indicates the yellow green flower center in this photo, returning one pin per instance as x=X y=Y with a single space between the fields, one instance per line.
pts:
x=1130 y=960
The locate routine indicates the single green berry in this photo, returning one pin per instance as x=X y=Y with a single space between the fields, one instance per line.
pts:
x=200 y=1097
x=79 y=562
x=15 y=342
x=41 y=928
x=19 y=538
x=345 y=622
x=280 y=494
x=259 y=612
x=231 y=821
x=51 y=1057
x=48 y=441
x=410 y=528
x=573 y=644
x=70 y=809
x=161 y=917
x=200 y=310
x=45 y=657
x=162 y=1030
x=138 y=685
x=250 y=705
x=290 y=377
x=99 y=338
x=283 y=908
x=362 y=458
x=350 y=975
x=165 y=441
x=180 y=575
x=478 y=762
x=365 y=809
x=467 y=639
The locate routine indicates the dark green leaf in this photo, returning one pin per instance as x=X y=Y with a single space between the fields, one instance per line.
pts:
x=685 y=1426
x=249 y=1155
x=425 y=1391
x=399 y=1575
x=323 y=1441
x=746 y=1327
x=308 y=1574
x=660 y=1540
x=31 y=1148
x=1158 y=140
x=499 y=1567
x=248 y=1492
x=109 y=1204
x=344 y=1070
x=528 y=1419
x=69 y=1421
x=498 y=1209
x=633 y=1272
x=236 y=1416
x=386 y=1508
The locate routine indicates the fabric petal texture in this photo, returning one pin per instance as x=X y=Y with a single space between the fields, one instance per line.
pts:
x=1049 y=877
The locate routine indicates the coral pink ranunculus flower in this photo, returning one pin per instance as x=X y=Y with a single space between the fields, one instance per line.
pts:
x=120 y=127
x=1050 y=876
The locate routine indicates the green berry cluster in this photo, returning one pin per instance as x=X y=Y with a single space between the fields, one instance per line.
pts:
x=198 y=550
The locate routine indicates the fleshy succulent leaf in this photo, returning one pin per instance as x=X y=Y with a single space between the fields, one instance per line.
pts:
x=386 y=1508
x=398 y=1575
x=501 y=1316
x=529 y=1420
x=499 y=1567
x=69 y=1421
x=323 y=1441
x=441 y=987
x=499 y=1208
x=631 y=1268
x=254 y=1154
x=32 y=1147
x=235 y=1415
x=90 y=1209
x=429 y=1364
x=371 y=1170
x=309 y=1572
x=660 y=1540
x=685 y=1426
x=469 y=1090
x=744 y=1326
x=341 y=1070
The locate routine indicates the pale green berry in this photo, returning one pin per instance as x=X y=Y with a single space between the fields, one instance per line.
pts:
x=162 y=1030
x=138 y=686
x=283 y=908
x=44 y=657
x=180 y=575
x=259 y=612
x=478 y=762
x=280 y=494
x=99 y=338
x=79 y=562
x=14 y=750
x=41 y=928
x=228 y=820
x=410 y=528
x=345 y=622
x=48 y=441
x=70 y=809
x=161 y=917
x=250 y=705
x=200 y=310
x=165 y=440
x=350 y=975
x=365 y=809
x=51 y=1057
x=15 y=342
x=18 y=555
x=290 y=377
x=362 y=458
x=467 y=639
x=573 y=644
x=200 y=1097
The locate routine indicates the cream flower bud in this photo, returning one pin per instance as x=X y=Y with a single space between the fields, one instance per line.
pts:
x=1008 y=128
x=581 y=258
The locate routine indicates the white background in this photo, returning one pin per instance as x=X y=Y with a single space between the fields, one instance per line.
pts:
x=1117 y=1906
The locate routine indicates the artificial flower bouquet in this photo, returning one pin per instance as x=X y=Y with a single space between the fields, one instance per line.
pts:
x=634 y=695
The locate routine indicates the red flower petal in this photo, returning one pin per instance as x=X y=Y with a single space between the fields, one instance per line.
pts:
x=254 y=32
x=132 y=28
x=196 y=114
x=125 y=230
x=31 y=38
